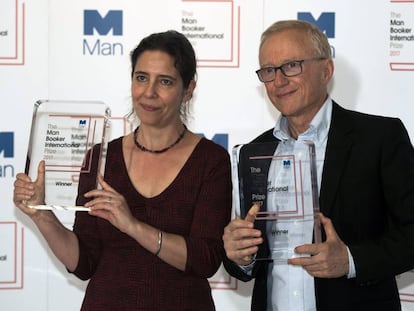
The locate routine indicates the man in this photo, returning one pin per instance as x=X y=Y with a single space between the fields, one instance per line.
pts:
x=366 y=181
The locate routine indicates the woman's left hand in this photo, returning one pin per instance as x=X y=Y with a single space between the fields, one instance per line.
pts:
x=108 y=204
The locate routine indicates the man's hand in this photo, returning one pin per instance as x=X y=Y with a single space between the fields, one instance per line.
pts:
x=328 y=259
x=241 y=240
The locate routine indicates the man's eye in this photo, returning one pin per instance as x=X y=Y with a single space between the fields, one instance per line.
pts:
x=291 y=65
x=268 y=70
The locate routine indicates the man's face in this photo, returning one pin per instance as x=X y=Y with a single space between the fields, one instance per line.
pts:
x=298 y=97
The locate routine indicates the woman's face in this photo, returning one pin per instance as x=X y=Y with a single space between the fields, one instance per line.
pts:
x=157 y=89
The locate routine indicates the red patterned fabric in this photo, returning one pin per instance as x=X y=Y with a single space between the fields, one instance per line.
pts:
x=197 y=205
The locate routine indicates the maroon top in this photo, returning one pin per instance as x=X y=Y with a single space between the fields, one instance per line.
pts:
x=197 y=205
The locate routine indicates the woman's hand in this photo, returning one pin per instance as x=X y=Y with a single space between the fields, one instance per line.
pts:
x=27 y=192
x=108 y=204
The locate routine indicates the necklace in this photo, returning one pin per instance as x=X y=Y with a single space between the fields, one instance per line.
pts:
x=141 y=147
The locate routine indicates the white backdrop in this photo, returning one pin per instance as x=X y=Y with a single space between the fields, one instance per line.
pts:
x=79 y=50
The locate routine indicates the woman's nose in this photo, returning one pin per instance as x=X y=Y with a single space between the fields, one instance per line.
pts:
x=151 y=89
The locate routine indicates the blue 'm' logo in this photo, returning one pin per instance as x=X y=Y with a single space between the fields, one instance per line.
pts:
x=7 y=144
x=325 y=22
x=93 y=20
x=82 y=123
x=286 y=163
x=221 y=139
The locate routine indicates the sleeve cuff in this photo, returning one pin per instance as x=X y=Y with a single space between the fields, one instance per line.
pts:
x=351 y=271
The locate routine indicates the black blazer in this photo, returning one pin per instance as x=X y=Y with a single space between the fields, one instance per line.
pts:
x=367 y=190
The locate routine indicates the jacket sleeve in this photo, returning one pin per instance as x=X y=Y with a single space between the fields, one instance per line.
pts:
x=384 y=245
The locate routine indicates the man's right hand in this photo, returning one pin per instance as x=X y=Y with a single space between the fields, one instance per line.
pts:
x=241 y=240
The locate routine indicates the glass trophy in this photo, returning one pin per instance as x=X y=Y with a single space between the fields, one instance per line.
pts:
x=281 y=178
x=63 y=134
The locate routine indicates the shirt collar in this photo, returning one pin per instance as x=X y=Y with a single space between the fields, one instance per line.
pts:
x=318 y=128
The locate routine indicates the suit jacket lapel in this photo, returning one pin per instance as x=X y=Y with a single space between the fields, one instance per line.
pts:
x=337 y=150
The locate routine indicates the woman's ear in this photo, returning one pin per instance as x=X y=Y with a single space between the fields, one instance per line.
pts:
x=188 y=93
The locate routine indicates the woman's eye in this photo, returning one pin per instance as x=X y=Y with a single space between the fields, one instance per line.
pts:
x=166 y=82
x=140 y=78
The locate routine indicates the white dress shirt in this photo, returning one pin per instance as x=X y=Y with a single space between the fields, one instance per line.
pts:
x=291 y=287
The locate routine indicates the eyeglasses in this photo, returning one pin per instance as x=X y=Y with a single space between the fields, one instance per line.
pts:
x=290 y=69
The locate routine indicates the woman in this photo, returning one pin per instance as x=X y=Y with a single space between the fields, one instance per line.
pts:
x=153 y=233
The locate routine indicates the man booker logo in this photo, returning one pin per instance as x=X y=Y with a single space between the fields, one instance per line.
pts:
x=7 y=144
x=325 y=22
x=96 y=25
x=7 y=151
x=82 y=123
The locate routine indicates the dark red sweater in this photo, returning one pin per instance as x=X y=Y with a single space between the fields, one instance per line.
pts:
x=197 y=205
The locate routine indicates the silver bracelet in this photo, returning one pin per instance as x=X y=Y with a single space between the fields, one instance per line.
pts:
x=159 y=243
